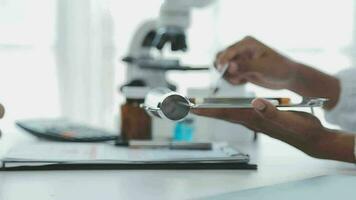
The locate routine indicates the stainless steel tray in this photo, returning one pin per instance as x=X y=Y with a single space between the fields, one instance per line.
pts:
x=164 y=103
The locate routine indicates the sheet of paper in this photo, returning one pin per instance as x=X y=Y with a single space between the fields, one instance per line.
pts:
x=76 y=152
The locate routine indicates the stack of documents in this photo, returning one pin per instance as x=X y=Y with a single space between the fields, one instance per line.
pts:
x=59 y=153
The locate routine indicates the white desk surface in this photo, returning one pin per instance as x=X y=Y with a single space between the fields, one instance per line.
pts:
x=277 y=163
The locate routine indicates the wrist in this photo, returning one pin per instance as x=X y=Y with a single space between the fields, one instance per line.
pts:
x=334 y=145
x=310 y=82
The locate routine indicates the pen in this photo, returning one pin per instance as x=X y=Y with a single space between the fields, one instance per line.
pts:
x=215 y=88
x=141 y=144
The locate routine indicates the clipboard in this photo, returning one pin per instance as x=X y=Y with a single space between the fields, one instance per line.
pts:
x=79 y=156
x=136 y=166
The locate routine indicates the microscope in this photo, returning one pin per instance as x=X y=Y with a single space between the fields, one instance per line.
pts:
x=167 y=31
x=146 y=67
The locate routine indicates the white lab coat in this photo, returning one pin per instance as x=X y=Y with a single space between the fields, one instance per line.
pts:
x=344 y=113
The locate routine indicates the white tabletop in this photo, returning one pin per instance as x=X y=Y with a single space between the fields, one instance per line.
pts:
x=277 y=163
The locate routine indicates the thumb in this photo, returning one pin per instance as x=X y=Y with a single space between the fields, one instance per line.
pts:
x=265 y=108
x=2 y=111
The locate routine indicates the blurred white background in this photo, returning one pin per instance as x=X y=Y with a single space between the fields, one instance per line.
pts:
x=62 y=57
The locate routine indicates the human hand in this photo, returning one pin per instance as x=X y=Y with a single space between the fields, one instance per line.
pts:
x=2 y=112
x=252 y=61
x=299 y=129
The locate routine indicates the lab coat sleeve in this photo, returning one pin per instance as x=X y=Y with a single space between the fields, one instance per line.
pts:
x=344 y=113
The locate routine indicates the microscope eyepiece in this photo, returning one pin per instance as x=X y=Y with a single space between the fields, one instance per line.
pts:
x=174 y=36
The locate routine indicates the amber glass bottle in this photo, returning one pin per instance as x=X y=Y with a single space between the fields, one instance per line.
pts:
x=135 y=122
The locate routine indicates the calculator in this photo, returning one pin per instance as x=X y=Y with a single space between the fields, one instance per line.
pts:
x=65 y=130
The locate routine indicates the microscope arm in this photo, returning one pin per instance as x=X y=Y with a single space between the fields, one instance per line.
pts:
x=177 y=13
x=173 y=21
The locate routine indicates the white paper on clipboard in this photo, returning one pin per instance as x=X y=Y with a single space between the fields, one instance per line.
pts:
x=58 y=152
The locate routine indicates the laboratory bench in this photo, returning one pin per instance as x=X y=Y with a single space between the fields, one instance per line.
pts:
x=277 y=163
